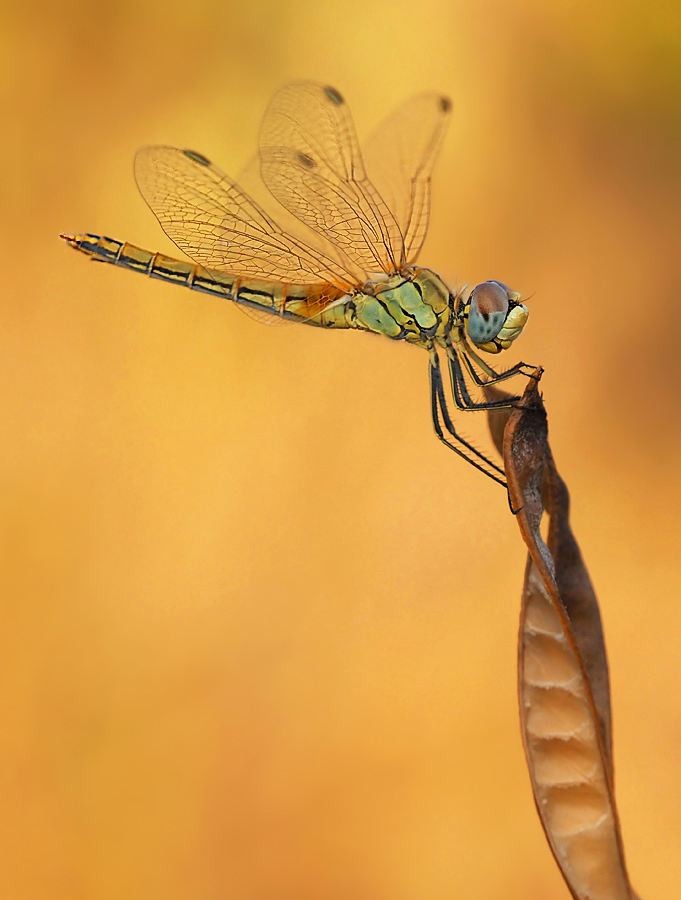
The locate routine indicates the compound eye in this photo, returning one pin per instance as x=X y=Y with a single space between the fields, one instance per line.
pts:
x=488 y=308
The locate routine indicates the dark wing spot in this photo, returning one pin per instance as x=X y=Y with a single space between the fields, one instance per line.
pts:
x=445 y=104
x=197 y=157
x=305 y=160
x=333 y=95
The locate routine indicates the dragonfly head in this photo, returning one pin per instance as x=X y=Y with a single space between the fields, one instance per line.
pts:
x=493 y=316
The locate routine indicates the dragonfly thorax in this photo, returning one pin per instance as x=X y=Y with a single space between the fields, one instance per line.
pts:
x=414 y=305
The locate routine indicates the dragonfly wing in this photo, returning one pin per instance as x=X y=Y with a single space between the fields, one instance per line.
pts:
x=400 y=156
x=250 y=181
x=218 y=225
x=311 y=162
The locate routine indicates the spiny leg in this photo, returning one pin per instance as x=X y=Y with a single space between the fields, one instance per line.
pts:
x=449 y=425
x=437 y=400
x=460 y=392
x=519 y=369
x=469 y=355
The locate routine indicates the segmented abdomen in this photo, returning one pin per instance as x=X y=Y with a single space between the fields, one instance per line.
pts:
x=313 y=304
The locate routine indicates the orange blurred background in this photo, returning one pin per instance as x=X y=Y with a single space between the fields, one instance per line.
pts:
x=258 y=630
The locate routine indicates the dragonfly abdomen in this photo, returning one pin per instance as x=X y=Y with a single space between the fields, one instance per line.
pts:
x=313 y=304
x=155 y=265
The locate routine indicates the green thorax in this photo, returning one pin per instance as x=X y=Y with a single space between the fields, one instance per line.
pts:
x=414 y=306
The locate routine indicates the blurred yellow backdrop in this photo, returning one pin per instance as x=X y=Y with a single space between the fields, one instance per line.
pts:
x=258 y=626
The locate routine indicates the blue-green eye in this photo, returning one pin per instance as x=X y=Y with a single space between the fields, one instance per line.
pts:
x=487 y=311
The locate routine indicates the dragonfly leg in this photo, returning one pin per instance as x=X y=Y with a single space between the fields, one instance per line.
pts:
x=460 y=393
x=460 y=358
x=468 y=354
x=465 y=450
x=519 y=369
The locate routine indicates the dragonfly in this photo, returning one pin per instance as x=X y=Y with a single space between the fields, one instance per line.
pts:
x=322 y=232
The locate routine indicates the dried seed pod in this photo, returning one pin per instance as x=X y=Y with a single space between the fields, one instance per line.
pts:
x=562 y=673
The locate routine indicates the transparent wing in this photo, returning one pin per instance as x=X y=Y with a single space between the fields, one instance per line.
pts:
x=218 y=225
x=399 y=158
x=250 y=181
x=311 y=163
